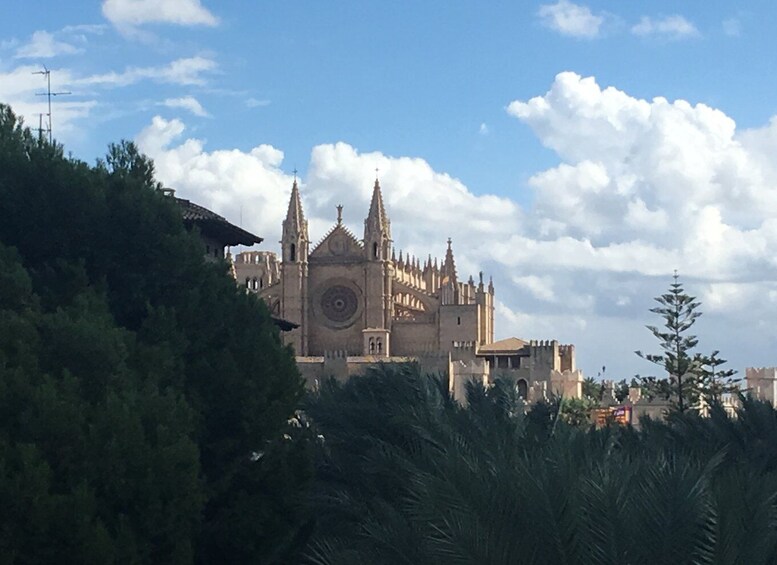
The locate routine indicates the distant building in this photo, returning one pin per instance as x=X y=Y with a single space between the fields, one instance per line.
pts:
x=357 y=304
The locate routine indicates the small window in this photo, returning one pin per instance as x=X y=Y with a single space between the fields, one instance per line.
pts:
x=261 y=283
x=293 y=252
x=374 y=250
x=248 y=282
x=458 y=321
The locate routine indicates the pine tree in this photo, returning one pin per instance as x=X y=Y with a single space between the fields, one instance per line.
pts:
x=679 y=311
x=714 y=381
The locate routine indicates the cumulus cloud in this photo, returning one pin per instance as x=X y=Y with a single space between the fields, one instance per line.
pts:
x=571 y=19
x=670 y=27
x=42 y=45
x=131 y=13
x=237 y=184
x=189 y=103
x=644 y=187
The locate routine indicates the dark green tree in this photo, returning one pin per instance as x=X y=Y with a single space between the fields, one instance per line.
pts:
x=679 y=312
x=145 y=401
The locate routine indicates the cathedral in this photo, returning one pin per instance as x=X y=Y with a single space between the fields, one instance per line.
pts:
x=354 y=303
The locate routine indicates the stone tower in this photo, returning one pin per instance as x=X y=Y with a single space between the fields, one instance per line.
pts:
x=378 y=273
x=294 y=271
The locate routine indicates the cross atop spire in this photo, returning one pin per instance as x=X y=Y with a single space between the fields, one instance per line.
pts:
x=339 y=214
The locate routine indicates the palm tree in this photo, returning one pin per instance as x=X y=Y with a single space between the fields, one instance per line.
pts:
x=407 y=475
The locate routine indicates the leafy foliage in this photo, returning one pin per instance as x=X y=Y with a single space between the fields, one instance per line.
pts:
x=406 y=475
x=144 y=400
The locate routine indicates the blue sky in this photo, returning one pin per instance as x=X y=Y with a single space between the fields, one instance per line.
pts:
x=528 y=131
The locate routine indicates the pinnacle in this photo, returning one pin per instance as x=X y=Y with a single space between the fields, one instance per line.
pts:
x=449 y=266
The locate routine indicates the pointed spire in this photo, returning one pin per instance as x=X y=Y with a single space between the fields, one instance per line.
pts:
x=394 y=255
x=295 y=218
x=490 y=285
x=377 y=219
x=295 y=230
x=400 y=258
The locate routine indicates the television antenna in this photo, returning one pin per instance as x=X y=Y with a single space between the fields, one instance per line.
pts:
x=48 y=94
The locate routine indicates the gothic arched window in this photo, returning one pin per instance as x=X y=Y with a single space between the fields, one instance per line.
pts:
x=293 y=253
x=374 y=250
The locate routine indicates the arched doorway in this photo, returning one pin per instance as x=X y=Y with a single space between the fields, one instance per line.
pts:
x=523 y=388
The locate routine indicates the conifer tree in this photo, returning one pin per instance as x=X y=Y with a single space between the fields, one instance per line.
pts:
x=679 y=311
x=715 y=381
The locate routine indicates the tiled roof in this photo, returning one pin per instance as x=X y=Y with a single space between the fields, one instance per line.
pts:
x=504 y=346
x=213 y=225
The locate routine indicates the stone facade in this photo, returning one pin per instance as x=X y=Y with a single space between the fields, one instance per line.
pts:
x=357 y=303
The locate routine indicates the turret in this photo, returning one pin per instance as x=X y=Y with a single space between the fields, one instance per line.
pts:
x=377 y=229
x=294 y=265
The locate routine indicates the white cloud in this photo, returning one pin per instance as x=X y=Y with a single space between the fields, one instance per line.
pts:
x=123 y=13
x=571 y=19
x=234 y=183
x=484 y=129
x=186 y=71
x=42 y=45
x=189 y=103
x=19 y=88
x=670 y=27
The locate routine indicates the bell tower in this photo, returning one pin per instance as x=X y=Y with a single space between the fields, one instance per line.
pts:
x=377 y=267
x=294 y=266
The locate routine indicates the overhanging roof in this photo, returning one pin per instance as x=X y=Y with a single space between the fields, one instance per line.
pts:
x=214 y=226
